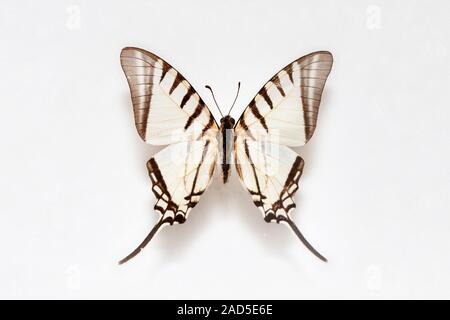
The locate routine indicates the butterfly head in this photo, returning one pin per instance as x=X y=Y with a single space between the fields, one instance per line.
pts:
x=227 y=122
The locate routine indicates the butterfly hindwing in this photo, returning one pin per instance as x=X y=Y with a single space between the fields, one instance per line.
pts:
x=270 y=173
x=166 y=107
x=180 y=173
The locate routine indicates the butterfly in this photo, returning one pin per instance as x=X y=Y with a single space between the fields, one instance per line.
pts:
x=168 y=111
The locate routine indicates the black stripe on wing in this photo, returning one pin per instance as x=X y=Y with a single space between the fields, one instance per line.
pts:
x=288 y=191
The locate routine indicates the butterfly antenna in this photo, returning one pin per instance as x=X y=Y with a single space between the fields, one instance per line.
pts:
x=144 y=243
x=304 y=241
x=237 y=94
x=212 y=93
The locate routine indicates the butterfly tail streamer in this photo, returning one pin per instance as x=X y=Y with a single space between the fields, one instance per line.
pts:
x=147 y=239
x=304 y=241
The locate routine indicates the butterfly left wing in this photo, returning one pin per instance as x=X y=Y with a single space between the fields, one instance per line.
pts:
x=168 y=111
x=283 y=113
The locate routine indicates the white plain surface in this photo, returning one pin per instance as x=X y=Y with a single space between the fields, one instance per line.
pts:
x=374 y=196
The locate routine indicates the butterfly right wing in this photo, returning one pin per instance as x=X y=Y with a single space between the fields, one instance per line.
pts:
x=166 y=107
x=282 y=114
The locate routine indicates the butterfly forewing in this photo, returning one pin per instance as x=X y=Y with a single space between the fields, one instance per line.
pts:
x=285 y=110
x=166 y=107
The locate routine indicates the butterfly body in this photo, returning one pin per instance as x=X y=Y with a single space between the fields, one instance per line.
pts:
x=226 y=140
x=168 y=111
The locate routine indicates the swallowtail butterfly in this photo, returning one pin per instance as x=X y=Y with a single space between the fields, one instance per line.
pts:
x=168 y=111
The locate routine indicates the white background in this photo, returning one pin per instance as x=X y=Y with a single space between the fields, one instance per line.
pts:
x=74 y=191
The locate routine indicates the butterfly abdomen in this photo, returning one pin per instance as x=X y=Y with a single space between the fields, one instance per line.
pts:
x=226 y=145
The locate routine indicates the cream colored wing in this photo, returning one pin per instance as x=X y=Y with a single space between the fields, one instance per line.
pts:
x=285 y=110
x=282 y=114
x=270 y=173
x=180 y=173
x=166 y=107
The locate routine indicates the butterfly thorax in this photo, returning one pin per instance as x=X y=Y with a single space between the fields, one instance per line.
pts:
x=226 y=145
